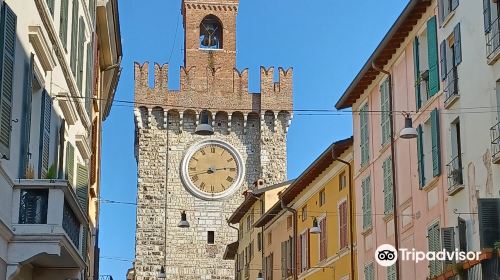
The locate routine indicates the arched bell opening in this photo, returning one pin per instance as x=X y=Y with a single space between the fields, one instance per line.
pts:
x=211 y=33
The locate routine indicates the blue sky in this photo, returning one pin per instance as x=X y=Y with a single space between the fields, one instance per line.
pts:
x=325 y=41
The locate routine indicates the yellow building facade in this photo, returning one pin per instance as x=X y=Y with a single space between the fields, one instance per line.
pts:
x=308 y=232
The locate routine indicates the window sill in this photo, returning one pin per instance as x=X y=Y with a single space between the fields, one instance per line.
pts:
x=451 y=101
x=425 y=106
x=209 y=50
x=385 y=146
x=367 y=231
x=431 y=185
x=447 y=19
x=388 y=217
x=363 y=167
x=455 y=189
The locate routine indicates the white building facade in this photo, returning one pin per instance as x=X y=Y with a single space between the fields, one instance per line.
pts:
x=57 y=83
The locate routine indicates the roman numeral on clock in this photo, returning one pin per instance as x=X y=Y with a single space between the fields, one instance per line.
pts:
x=212 y=150
x=195 y=178
x=231 y=159
x=230 y=179
x=202 y=185
x=202 y=152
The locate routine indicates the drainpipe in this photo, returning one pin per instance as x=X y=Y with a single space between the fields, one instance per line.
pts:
x=393 y=166
x=294 y=255
x=351 y=213
x=238 y=239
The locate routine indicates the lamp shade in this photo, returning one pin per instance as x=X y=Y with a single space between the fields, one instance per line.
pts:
x=409 y=132
x=315 y=228
x=259 y=276
x=204 y=127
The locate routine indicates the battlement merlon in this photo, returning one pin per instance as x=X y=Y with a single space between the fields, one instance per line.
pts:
x=222 y=89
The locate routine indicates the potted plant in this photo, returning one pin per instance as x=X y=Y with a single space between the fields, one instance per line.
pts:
x=51 y=173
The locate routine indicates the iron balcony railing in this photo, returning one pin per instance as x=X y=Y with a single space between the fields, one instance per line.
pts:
x=495 y=141
x=493 y=39
x=33 y=207
x=455 y=176
x=451 y=82
x=71 y=225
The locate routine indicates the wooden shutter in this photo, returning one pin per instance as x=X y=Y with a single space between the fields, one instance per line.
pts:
x=79 y=63
x=283 y=260
x=365 y=152
x=74 y=36
x=63 y=24
x=388 y=196
x=444 y=71
x=462 y=235
x=84 y=243
x=441 y=11
x=343 y=224
x=386 y=115
x=89 y=84
x=434 y=246
x=44 y=141
x=489 y=221
x=432 y=48
x=416 y=64
x=323 y=246
x=391 y=272
x=50 y=4
x=487 y=15
x=436 y=150
x=82 y=189
x=8 y=21
x=26 y=123
x=420 y=155
x=369 y=273
x=70 y=163
x=448 y=242
x=299 y=253
x=457 y=45
x=367 y=203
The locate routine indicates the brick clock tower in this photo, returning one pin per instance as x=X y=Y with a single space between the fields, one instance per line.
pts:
x=200 y=147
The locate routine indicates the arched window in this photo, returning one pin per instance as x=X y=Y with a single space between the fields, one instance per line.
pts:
x=211 y=33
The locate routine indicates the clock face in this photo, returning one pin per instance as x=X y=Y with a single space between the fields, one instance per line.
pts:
x=212 y=169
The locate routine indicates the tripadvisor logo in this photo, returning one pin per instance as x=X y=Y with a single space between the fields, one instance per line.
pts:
x=387 y=255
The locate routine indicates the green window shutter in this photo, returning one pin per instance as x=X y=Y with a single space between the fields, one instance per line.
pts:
x=434 y=246
x=367 y=203
x=70 y=163
x=388 y=196
x=26 y=119
x=89 y=87
x=432 y=47
x=44 y=142
x=82 y=188
x=385 y=121
x=420 y=155
x=448 y=242
x=441 y=11
x=84 y=243
x=391 y=272
x=416 y=64
x=457 y=45
x=436 y=150
x=444 y=71
x=63 y=24
x=365 y=151
x=74 y=37
x=487 y=15
x=50 y=4
x=8 y=21
x=462 y=235
x=489 y=221
x=79 y=63
x=369 y=272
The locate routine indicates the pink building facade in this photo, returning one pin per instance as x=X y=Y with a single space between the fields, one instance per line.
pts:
x=409 y=54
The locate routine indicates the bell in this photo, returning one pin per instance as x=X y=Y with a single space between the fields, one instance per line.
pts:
x=315 y=228
x=183 y=223
x=259 y=276
x=409 y=132
x=204 y=127
x=161 y=273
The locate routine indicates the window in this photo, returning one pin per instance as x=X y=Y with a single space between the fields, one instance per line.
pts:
x=269 y=267
x=388 y=195
x=385 y=118
x=45 y=120
x=33 y=206
x=426 y=69
x=445 y=8
x=367 y=203
x=364 y=134
x=70 y=163
x=269 y=238
x=455 y=176
x=74 y=37
x=211 y=33
x=434 y=245
x=7 y=48
x=428 y=149
x=491 y=27
x=81 y=47
x=369 y=272
x=342 y=181
x=249 y=222
x=211 y=237
x=304 y=213
x=451 y=57
x=286 y=258
x=343 y=224
x=289 y=222
x=304 y=251
x=50 y=4
x=323 y=239
x=322 y=197
x=251 y=249
x=82 y=186
x=259 y=241
x=391 y=272
x=63 y=24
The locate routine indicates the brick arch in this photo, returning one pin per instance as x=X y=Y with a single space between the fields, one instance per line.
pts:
x=173 y=120
x=212 y=21
x=237 y=121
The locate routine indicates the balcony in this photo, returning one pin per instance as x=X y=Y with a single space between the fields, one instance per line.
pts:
x=47 y=225
x=451 y=88
x=423 y=84
x=493 y=42
x=455 y=176
x=495 y=143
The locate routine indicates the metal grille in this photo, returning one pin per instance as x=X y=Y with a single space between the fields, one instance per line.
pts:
x=493 y=39
x=455 y=176
x=451 y=82
x=71 y=225
x=33 y=206
x=495 y=141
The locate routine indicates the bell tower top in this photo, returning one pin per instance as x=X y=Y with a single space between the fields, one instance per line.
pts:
x=210 y=33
